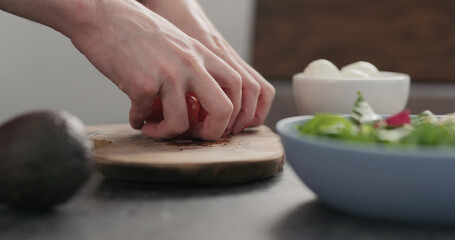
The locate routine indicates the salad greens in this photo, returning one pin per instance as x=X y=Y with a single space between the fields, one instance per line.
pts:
x=364 y=125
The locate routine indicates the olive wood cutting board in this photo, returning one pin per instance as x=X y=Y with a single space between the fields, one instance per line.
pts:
x=124 y=153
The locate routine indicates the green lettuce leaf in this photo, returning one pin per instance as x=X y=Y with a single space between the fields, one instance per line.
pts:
x=430 y=134
x=364 y=126
x=329 y=125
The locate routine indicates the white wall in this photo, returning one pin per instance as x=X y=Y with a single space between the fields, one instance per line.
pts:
x=234 y=19
x=40 y=69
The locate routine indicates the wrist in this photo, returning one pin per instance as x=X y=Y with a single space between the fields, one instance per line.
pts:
x=63 y=16
x=181 y=13
x=78 y=16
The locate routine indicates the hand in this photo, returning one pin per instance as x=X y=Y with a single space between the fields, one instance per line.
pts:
x=257 y=93
x=146 y=56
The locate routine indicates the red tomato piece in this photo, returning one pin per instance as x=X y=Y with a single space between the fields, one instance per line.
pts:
x=193 y=108
x=156 y=114
x=202 y=114
x=399 y=119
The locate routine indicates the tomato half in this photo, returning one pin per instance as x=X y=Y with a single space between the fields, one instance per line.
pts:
x=202 y=114
x=156 y=114
x=193 y=107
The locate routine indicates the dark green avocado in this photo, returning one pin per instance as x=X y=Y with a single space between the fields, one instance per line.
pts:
x=45 y=157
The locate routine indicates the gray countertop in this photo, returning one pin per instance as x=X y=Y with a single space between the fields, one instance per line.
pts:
x=280 y=207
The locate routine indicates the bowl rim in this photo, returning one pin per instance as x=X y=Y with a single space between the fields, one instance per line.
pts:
x=283 y=128
x=395 y=76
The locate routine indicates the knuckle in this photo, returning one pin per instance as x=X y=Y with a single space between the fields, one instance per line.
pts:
x=235 y=84
x=253 y=87
x=270 y=90
x=170 y=77
x=196 y=44
x=225 y=110
x=236 y=79
x=228 y=109
x=149 y=89
x=190 y=59
x=166 y=73
x=219 y=51
x=143 y=91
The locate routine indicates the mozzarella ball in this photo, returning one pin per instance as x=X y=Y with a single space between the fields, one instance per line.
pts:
x=354 y=73
x=369 y=69
x=321 y=69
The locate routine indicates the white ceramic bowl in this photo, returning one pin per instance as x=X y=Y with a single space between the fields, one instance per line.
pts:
x=370 y=180
x=387 y=94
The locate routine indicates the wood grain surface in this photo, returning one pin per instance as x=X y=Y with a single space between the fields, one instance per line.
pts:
x=412 y=36
x=124 y=153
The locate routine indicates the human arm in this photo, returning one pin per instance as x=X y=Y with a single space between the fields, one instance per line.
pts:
x=145 y=56
x=257 y=93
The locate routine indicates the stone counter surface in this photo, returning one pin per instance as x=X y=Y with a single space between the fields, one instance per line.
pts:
x=280 y=207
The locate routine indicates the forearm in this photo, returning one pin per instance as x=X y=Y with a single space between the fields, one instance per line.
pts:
x=184 y=14
x=65 y=16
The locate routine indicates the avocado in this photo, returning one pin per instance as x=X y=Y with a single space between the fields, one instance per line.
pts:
x=45 y=157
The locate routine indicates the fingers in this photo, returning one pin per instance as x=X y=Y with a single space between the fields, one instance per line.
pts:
x=250 y=95
x=217 y=104
x=230 y=82
x=175 y=116
x=266 y=96
x=250 y=89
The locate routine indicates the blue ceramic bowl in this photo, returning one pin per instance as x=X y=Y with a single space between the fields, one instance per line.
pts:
x=370 y=180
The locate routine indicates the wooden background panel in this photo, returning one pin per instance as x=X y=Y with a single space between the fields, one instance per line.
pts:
x=412 y=36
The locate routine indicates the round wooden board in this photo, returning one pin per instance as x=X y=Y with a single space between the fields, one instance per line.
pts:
x=124 y=153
